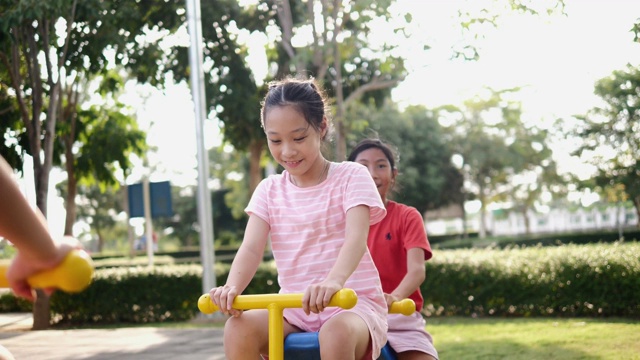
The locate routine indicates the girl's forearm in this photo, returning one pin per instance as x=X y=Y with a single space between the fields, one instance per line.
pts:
x=25 y=227
x=249 y=255
x=243 y=268
x=355 y=244
x=415 y=274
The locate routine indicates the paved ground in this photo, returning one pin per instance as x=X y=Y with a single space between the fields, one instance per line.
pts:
x=108 y=344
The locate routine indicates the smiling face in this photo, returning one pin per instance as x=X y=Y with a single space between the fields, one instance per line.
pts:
x=295 y=144
x=380 y=169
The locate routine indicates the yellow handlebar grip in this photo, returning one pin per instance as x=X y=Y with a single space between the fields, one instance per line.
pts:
x=344 y=298
x=73 y=274
x=205 y=305
x=405 y=307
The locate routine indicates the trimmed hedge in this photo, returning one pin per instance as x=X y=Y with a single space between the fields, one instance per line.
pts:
x=133 y=295
x=451 y=242
x=144 y=295
x=594 y=280
x=569 y=280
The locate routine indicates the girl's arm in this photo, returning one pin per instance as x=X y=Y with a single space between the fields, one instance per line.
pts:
x=244 y=265
x=27 y=230
x=413 y=279
x=25 y=227
x=317 y=296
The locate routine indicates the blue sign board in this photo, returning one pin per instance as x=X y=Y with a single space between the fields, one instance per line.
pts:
x=159 y=196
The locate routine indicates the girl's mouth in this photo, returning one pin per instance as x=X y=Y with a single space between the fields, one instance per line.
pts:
x=292 y=163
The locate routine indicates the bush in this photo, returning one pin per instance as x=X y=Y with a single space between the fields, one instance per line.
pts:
x=570 y=280
x=10 y=303
x=573 y=280
x=133 y=295
x=144 y=295
x=575 y=237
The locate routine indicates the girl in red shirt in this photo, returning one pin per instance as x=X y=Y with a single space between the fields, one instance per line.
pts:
x=399 y=247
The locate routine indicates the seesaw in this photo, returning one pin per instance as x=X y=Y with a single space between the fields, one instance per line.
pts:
x=299 y=345
x=72 y=275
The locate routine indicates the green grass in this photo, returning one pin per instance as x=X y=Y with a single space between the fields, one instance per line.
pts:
x=541 y=338
x=458 y=338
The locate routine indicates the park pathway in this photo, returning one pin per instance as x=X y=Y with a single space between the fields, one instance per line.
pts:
x=143 y=343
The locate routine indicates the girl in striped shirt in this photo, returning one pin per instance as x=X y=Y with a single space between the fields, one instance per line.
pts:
x=317 y=214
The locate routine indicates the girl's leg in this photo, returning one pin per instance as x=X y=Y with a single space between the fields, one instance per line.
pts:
x=344 y=336
x=414 y=355
x=247 y=336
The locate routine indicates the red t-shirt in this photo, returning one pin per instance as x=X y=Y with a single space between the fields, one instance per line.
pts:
x=390 y=240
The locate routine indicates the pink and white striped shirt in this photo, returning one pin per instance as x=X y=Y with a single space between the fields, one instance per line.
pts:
x=308 y=226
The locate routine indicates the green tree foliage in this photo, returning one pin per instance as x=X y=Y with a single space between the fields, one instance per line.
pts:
x=228 y=169
x=184 y=224
x=340 y=52
x=98 y=207
x=232 y=92
x=84 y=136
x=478 y=18
x=500 y=151
x=47 y=48
x=427 y=179
x=610 y=134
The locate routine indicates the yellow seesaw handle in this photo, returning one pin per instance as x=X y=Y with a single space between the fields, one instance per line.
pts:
x=72 y=275
x=405 y=307
x=344 y=298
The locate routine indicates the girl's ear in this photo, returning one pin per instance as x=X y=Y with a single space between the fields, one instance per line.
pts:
x=324 y=127
x=394 y=173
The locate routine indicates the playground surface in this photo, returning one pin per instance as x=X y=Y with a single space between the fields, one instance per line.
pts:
x=143 y=343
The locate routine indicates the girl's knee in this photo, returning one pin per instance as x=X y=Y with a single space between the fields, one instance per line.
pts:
x=246 y=331
x=345 y=334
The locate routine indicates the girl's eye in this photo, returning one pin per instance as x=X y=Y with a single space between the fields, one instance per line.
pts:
x=275 y=141
x=382 y=166
x=300 y=139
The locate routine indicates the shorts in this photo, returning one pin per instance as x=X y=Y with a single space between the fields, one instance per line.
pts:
x=408 y=333
x=375 y=320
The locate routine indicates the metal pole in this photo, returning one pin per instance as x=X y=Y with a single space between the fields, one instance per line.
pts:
x=146 y=196
x=205 y=217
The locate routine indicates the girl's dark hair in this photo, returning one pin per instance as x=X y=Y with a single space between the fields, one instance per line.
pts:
x=367 y=144
x=302 y=94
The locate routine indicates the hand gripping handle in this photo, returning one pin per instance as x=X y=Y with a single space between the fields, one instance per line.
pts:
x=72 y=275
x=344 y=298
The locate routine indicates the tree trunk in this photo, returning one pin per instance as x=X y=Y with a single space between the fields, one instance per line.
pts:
x=41 y=311
x=69 y=117
x=72 y=189
x=465 y=233
x=255 y=173
x=482 y=232
x=636 y=204
x=101 y=241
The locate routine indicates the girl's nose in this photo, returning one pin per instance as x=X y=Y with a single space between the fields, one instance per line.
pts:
x=288 y=150
x=372 y=171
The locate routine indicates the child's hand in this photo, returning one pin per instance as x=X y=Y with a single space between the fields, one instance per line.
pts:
x=223 y=297
x=390 y=298
x=317 y=296
x=24 y=266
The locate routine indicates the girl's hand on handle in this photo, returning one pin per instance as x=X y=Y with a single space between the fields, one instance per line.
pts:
x=317 y=296
x=223 y=297
x=390 y=299
x=23 y=267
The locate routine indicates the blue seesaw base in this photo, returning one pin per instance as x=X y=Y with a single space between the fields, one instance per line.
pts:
x=305 y=346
